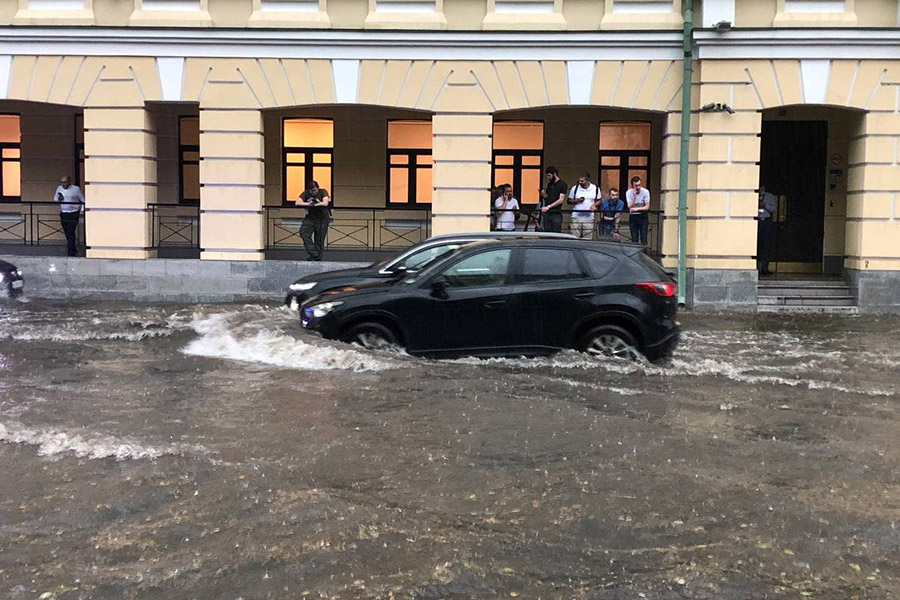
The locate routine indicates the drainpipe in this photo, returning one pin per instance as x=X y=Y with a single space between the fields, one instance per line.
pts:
x=683 y=167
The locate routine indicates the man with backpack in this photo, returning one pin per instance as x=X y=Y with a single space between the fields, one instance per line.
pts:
x=583 y=195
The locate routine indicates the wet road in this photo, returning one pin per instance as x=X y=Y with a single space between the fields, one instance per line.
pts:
x=219 y=452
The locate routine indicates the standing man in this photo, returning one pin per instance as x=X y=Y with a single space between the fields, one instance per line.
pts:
x=315 y=223
x=507 y=209
x=638 y=199
x=584 y=196
x=553 y=197
x=610 y=211
x=71 y=203
x=765 y=229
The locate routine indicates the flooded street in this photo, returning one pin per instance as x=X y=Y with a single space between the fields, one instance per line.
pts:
x=169 y=452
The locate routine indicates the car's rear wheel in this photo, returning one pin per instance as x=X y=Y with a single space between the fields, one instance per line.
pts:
x=372 y=336
x=609 y=340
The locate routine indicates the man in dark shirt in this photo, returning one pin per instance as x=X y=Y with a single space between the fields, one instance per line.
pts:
x=318 y=214
x=552 y=198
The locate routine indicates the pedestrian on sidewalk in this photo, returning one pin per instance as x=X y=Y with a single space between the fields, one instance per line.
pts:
x=552 y=198
x=314 y=228
x=638 y=199
x=584 y=196
x=71 y=205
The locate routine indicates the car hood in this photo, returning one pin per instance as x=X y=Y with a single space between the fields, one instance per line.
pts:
x=6 y=267
x=338 y=274
x=352 y=291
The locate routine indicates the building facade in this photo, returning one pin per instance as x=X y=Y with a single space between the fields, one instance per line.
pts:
x=199 y=121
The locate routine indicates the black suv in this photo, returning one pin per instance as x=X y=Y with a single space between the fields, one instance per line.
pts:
x=407 y=262
x=512 y=297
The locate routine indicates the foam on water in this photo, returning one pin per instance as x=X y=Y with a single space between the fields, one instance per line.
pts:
x=87 y=325
x=234 y=337
x=54 y=443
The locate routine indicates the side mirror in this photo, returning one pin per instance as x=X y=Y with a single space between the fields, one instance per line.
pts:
x=439 y=287
x=399 y=272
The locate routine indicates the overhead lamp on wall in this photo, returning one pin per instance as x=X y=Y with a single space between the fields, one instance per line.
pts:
x=722 y=26
x=714 y=107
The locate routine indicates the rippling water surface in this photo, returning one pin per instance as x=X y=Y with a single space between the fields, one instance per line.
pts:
x=221 y=452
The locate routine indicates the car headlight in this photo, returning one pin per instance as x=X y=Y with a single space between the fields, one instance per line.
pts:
x=19 y=272
x=1 y=276
x=320 y=310
x=302 y=287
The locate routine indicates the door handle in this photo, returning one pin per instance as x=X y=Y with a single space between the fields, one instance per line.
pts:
x=584 y=296
x=495 y=303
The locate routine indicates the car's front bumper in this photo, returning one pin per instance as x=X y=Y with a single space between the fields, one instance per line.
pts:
x=14 y=286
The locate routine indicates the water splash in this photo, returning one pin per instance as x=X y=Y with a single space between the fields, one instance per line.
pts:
x=54 y=443
x=233 y=336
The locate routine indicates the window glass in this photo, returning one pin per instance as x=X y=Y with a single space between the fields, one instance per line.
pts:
x=418 y=260
x=518 y=135
x=409 y=135
x=624 y=135
x=9 y=129
x=601 y=264
x=486 y=268
x=308 y=133
x=548 y=264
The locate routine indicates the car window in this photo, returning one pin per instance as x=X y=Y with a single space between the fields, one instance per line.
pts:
x=420 y=259
x=486 y=268
x=600 y=263
x=549 y=264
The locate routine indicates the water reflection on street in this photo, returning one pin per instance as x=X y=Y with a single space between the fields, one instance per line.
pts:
x=221 y=452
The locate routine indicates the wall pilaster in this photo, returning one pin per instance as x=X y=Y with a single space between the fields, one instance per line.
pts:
x=232 y=184
x=120 y=169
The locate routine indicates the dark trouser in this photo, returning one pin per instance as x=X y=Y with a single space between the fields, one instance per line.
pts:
x=553 y=222
x=69 y=222
x=764 y=234
x=308 y=229
x=606 y=230
x=639 y=224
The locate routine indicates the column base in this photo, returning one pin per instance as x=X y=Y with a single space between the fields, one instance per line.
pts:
x=875 y=291
x=721 y=289
x=253 y=255
x=443 y=224
x=123 y=253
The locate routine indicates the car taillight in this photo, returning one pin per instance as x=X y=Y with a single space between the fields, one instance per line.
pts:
x=666 y=289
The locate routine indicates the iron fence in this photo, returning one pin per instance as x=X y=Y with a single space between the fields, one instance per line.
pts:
x=350 y=228
x=174 y=225
x=530 y=219
x=35 y=224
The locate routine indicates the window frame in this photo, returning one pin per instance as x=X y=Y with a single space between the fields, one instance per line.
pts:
x=517 y=166
x=78 y=150
x=625 y=165
x=412 y=155
x=13 y=145
x=308 y=161
x=182 y=149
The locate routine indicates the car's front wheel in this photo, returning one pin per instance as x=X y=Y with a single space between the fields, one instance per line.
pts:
x=372 y=336
x=609 y=340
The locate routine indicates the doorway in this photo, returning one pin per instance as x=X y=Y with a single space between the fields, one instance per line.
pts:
x=793 y=158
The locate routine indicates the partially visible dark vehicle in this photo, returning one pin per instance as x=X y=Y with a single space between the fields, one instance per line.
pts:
x=512 y=297
x=405 y=263
x=11 y=282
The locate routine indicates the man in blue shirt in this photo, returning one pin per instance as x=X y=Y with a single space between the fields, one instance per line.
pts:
x=610 y=210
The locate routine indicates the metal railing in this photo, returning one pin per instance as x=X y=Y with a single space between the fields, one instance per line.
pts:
x=174 y=225
x=351 y=228
x=34 y=224
x=530 y=219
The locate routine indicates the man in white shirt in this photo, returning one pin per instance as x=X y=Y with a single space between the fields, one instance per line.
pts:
x=507 y=209
x=638 y=199
x=71 y=203
x=583 y=196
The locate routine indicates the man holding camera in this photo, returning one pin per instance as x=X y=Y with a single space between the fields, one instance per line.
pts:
x=315 y=223
x=71 y=203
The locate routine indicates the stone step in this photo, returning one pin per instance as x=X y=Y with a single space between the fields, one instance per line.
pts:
x=838 y=300
x=830 y=310
x=795 y=290
x=768 y=281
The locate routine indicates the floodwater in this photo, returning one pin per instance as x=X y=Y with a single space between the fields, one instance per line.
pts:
x=169 y=452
